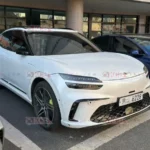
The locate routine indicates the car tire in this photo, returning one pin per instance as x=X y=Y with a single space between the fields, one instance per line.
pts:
x=44 y=98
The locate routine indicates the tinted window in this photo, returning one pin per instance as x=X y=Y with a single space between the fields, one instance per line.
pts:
x=18 y=41
x=123 y=45
x=0 y=40
x=6 y=40
x=102 y=42
x=55 y=43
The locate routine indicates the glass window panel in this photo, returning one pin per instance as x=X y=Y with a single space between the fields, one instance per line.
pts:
x=15 y=22
x=2 y=28
x=118 y=19
x=129 y=19
x=108 y=29
x=59 y=15
x=60 y=24
x=117 y=28
x=13 y=12
x=1 y=11
x=97 y=19
x=42 y=18
x=16 y=16
x=46 y=24
x=96 y=26
x=85 y=25
x=46 y=17
x=2 y=22
x=59 y=19
x=109 y=18
x=128 y=28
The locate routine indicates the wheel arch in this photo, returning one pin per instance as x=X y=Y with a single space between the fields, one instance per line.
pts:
x=39 y=79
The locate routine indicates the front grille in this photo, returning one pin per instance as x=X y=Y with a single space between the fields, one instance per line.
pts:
x=113 y=111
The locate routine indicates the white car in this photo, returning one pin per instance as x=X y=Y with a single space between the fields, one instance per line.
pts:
x=1 y=136
x=68 y=80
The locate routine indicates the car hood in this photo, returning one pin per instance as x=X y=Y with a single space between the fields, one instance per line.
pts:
x=103 y=65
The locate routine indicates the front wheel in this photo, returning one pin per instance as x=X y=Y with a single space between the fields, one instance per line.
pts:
x=46 y=106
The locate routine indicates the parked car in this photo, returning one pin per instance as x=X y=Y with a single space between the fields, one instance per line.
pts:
x=134 y=45
x=68 y=80
x=1 y=136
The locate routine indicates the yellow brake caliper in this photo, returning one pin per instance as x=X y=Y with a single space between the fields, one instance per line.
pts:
x=51 y=102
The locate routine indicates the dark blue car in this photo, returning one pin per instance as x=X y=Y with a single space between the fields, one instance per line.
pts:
x=136 y=46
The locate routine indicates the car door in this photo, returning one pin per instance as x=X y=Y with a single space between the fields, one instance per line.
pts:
x=5 y=55
x=20 y=66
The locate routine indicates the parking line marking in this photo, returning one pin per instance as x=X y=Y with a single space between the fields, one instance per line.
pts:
x=17 y=138
x=104 y=137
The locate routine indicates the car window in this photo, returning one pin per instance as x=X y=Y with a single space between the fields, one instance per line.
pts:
x=144 y=42
x=102 y=42
x=18 y=41
x=0 y=40
x=123 y=45
x=58 y=43
x=6 y=40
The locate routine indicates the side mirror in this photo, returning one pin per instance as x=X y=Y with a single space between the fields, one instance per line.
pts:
x=22 y=51
x=135 y=52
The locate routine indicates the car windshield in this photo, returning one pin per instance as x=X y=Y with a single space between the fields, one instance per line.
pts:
x=59 y=43
x=145 y=42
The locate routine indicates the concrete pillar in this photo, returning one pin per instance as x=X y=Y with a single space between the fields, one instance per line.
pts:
x=142 y=24
x=75 y=15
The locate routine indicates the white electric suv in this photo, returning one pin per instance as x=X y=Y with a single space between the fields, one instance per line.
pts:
x=68 y=80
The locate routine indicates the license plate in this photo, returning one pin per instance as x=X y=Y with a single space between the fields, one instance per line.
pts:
x=130 y=99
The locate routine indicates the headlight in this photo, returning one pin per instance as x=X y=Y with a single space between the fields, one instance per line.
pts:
x=79 y=78
x=145 y=69
x=83 y=86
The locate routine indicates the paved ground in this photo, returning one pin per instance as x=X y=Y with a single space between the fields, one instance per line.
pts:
x=15 y=111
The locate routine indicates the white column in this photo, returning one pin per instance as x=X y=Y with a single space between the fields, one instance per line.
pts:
x=75 y=15
x=142 y=24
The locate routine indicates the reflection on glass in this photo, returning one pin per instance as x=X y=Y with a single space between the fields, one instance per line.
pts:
x=118 y=19
x=129 y=20
x=15 y=22
x=85 y=26
x=128 y=28
x=59 y=19
x=1 y=11
x=117 y=28
x=2 y=22
x=109 y=29
x=16 y=16
x=46 y=21
x=109 y=18
x=96 y=27
x=2 y=28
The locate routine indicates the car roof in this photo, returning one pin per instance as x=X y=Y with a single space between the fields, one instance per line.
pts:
x=124 y=35
x=42 y=30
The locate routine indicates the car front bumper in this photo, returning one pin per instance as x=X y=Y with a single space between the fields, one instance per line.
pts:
x=78 y=107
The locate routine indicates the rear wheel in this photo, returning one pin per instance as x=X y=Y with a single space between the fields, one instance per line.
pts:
x=46 y=106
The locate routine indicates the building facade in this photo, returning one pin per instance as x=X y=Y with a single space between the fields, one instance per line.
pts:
x=91 y=24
